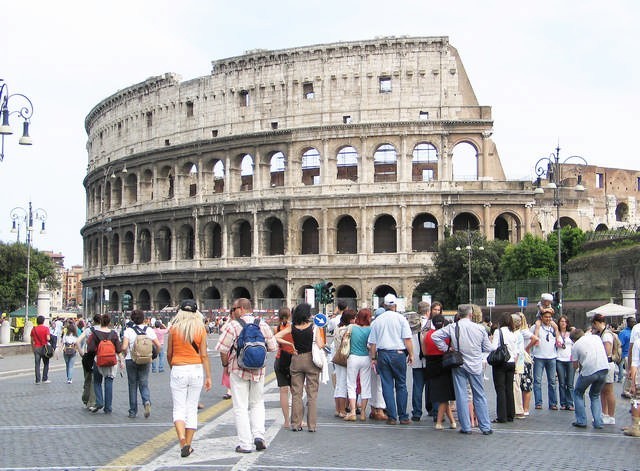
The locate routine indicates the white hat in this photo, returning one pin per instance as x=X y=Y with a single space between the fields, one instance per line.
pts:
x=390 y=300
x=546 y=297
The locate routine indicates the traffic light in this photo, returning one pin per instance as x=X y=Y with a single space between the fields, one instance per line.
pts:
x=328 y=293
x=318 y=288
x=557 y=302
x=126 y=302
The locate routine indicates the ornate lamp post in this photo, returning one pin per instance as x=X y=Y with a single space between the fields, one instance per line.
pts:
x=469 y=248
x=105 y=226
x=551 y=168
x=25 y=112
x=21 y=216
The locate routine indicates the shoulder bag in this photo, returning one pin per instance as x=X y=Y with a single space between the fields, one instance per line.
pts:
x=47 y=350
x=453 y=358
x=319 y=358
x=500 y=356
x=342 y=355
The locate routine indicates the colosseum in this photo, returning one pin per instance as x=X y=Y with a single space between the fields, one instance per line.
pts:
x=346 y=162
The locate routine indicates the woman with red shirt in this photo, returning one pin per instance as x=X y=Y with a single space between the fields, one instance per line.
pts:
x=441 y=383
x=40 y=336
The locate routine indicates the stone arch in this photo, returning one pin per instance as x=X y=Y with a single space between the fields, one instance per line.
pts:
x=144 y=245
x=185 y=293
x=188 y=179
x=347 y=164
x=163 y=244
x=382 y=290
x=622 y=212
x=211 y=298
x=311 y=166
x=465 y=161
x=186 y=242
x=277 y=169
x=301 y=292
x=466 y=222
x=273 y=297
x=424 y=233
x=348 y=295
x=144 y=300
x=385 y=238
x=116 y=198
x=163 y=298
x=274 y=236
x=128 y=247
x=131 y=189
x=507 y=226
x=247 y=164
x=241 y=238
x=107 y=195
x=424 y=163
x=105 y=250
x=211 y=240
x=166 y=182
x=346 y=235
x=218 y=176
x=310 y=237
x=240 y=292
x=385 y=163
x=114 y=250
x=565 y=221
x=146 y=185
x=601 y=227
x=114 y=301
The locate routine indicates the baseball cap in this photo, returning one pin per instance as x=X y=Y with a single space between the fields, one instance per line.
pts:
x=390 y=299
x=188 y=305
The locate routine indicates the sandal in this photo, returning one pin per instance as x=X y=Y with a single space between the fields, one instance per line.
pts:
x=186 y=451
x=226 y=396
x=350 y=417
x=340 y=415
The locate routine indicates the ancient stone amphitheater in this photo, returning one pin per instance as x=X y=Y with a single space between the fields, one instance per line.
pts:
x=345 y=161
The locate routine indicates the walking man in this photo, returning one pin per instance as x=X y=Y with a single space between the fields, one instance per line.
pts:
x=471 y=340
x=590 y=360
x=138 y=375
x=247 y=386
x=391 y=350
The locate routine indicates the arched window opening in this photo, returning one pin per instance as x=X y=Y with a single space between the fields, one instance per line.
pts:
x=144 y=300
x=622 y=212
x=310 y=237
x=424 y=164
x=163 y=299
x=274 y=237
x=424 y=233
x=466 y=222
x=218 y=177
x=212 y=241
x=347 y=164
x=311 y=167
x=163 y=244
x=128 y=247
x=385 y=164
x=465 y=162
x=115 y=249
x=241 y=238
x=131 y=189
x=186 y=242
x=144 y=246
x=384 y=235
x=246 y=173
x=347 y=236
x=277 y=168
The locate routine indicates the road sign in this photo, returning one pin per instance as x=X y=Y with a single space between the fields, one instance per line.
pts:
x=320 y=320
x=522 y=301
x=491 y=297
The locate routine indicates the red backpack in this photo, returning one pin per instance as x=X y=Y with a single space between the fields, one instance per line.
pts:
x=106 y=351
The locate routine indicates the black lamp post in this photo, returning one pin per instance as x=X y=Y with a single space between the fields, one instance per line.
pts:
x=551 y=168
x=25 y=112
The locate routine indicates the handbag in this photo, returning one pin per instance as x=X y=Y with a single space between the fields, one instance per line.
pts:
x=500 y=356
x=69 y=349
x=344 y=350
x=453 y=358
x=47 y=350
x=318 y=356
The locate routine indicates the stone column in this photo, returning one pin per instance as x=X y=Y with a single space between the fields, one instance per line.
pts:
x=629 y=298
x=483 y=168
x=487 y=221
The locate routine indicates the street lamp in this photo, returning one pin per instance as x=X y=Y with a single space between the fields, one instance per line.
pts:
x=21 y=216
x=25 y=112
x=551 y=168
x=469 y=248
x=105 y=226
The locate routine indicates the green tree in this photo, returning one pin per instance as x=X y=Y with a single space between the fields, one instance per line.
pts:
x=13 y=274
x=572 y=239
x=447 y=280
x=532 y=257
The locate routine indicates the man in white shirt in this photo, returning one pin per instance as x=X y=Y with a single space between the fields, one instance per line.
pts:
x=590 y=359
x=544 y=355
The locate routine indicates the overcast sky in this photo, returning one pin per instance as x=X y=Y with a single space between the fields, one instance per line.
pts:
x=552 y=71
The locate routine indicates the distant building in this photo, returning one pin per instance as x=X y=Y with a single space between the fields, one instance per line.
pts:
x=348 y=162
x=72 y=295
x=57 y=295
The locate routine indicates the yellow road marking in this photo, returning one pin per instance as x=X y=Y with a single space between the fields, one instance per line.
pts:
x=143 y=453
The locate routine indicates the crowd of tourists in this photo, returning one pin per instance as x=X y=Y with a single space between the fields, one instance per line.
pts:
x=370 y=355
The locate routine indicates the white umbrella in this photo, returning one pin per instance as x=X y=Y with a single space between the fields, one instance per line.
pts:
x=611 y=309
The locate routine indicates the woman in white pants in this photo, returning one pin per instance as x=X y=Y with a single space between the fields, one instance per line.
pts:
x=190 y=369
x=359 y=363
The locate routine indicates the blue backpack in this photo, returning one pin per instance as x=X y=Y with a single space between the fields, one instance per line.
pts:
x=251 y=346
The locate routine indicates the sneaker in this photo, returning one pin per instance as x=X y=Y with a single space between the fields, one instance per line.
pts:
x=147 y=409
x=132 y=416
x=260 y=444
x=37 y=382
x=239 y=449
x=607 y=420
x=439 y=426
x=46 y=381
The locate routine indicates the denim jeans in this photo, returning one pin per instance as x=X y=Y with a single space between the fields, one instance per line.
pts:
x=565 y=382
x=596 y=381
x=158 y=363
x=106 y=400
x=419 y=390
x=137 y=378
x=69 y=360
x=548 y=364
x=38 y=356
x=392 y=367
x=461 y=378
